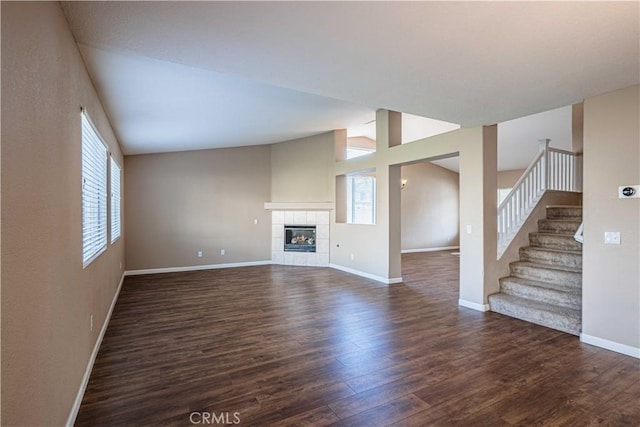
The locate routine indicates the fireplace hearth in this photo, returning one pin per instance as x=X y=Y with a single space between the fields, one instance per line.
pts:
x=299 y=238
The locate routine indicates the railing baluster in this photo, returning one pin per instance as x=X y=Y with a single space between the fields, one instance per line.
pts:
x=552 y=172
x=561 y=172
x=572 y=164
x=565 y=178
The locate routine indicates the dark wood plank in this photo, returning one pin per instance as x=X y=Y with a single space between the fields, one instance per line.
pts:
x=387 y=413
x=312 y=346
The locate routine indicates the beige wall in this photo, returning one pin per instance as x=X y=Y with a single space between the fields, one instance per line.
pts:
x=301 y=170
x=180 y=203
x=507 y=179
x=430 y=217
x=611 y=273
x=47 y=297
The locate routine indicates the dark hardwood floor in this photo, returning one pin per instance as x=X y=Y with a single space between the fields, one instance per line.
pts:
x=294 y=346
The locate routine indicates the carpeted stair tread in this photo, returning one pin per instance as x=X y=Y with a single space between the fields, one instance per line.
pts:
x=557 y=251
x=546 y=285
x=551 y=256
x=561 y=318
x=553 y=235
x=564 y=212
x=548 y=267
x=551 y=293
x=554 y=241
x=559 y=226
x=547 y=273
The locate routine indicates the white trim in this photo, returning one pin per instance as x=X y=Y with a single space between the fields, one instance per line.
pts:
x=444 y=248
x=611 y=345
x=194 y=268
x=299 y=206
x=93 y=257
x=579 y=236
x=386 y=281
x=474 y=305
x=92 y=359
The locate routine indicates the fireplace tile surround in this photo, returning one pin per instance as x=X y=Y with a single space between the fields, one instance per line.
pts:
x=318 y=218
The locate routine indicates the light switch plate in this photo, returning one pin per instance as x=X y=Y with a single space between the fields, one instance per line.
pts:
x=612 y=237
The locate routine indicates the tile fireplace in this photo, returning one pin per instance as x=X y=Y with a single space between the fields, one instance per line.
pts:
x=300 y=237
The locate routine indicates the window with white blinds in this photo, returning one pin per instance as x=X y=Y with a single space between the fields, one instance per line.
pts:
x=94 y=192
x=115 y=201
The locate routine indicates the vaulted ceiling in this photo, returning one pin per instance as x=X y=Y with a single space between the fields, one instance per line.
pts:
x=188 y=75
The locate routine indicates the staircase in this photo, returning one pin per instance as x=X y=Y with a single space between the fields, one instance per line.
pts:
x=545 y=286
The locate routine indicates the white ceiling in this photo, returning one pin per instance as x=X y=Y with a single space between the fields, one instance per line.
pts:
x=413 y=128
x=185 y=75
x=159 y=106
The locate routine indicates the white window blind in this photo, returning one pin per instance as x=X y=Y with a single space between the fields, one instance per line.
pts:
x=94 y=192
x=115 y=201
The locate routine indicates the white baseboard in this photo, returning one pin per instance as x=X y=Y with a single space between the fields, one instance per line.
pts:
x=394 y=280
x=194 y=268
x=386 y=281
x=444 y=248
x=474 y=305
x=611 y=345
x=92 y=359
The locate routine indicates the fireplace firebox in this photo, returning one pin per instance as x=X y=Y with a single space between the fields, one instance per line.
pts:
x=299 y=238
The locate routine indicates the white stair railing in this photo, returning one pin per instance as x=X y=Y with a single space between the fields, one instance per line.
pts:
x=551 y=169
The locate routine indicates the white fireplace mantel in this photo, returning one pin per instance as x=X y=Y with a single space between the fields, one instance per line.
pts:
x=299 y=206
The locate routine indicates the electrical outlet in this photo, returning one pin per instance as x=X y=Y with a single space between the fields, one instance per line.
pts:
x=222 y=252
x=91 y=323
x=255 y=221
x=469 y=229
x=199 y=254
x=352 y=257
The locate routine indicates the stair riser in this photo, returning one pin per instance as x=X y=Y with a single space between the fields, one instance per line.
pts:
x=549 y=296
x=558 y=227
x=542 y=274
x=564 y=213
x=540 y=256
x=539 y=317
x=567 y=243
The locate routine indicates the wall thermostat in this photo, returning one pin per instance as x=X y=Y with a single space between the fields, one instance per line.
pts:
x=629 y=192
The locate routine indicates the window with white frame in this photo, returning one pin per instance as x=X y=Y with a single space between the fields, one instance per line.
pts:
x=94 y=192
x=361 y=199
x=115 y=201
